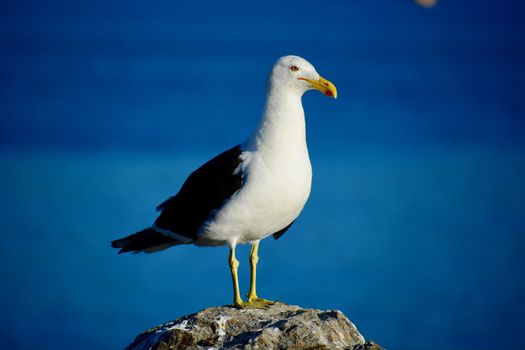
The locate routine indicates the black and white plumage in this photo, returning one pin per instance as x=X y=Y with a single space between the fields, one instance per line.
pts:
x=205 y=190
x=251 y=191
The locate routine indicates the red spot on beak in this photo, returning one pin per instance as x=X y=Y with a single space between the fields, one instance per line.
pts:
x=328 y=93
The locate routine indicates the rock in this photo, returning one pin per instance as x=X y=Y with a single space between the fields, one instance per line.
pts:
x=280 y=326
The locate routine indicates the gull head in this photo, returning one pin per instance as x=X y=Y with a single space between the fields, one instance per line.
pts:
x=299 y=75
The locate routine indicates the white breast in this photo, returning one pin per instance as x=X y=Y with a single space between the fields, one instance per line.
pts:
x=273 y=194
x=276 y=183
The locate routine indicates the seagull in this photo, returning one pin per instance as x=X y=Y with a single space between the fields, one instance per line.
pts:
x=249 y=192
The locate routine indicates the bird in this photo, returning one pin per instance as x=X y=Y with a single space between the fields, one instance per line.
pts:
x=249 y=192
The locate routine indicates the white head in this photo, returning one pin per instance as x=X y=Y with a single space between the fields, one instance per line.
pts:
x=297 y=74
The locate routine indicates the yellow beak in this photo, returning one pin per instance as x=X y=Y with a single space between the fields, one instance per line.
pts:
x=323 y=85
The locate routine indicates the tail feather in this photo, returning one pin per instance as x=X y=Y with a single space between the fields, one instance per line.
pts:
x=147 y=240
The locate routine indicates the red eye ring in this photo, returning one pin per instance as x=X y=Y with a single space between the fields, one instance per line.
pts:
x=294 y=68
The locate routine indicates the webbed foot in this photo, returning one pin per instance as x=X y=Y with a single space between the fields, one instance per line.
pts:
x=254 y=303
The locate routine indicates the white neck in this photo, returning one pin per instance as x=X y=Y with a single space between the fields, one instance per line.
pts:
x=282 y=125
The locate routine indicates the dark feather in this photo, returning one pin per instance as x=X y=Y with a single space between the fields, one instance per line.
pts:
x=205 y=190
x=278 y=234
x=142 y=241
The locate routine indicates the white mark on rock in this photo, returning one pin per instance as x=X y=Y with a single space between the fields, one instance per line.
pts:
x=221 y=326
x=183 y=325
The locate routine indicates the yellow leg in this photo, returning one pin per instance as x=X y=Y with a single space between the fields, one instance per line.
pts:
x=254 y=259
x=234 y=266
x=253 y=299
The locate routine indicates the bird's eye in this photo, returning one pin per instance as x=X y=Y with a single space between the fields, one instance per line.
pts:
x=294 y=68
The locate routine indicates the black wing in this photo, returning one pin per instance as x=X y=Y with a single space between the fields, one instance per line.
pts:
x=205 y=190
x=278 y=234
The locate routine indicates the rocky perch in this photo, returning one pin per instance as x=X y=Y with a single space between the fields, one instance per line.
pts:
x=280 y=326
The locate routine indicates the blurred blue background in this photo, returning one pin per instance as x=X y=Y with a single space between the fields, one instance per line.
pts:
x=416 y=224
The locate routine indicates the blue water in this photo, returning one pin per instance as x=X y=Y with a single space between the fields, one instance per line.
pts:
x=416 y=224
